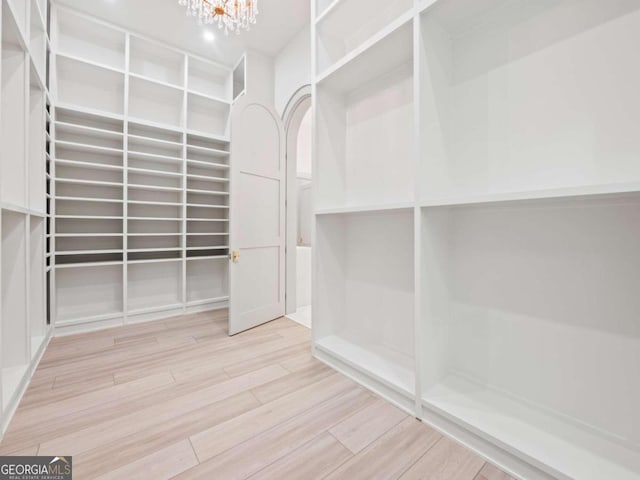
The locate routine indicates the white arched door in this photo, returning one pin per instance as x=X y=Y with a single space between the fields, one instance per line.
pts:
x=257 y=238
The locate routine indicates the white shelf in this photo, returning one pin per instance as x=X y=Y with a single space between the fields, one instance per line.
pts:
x=153 y=156
x=207 y=150
x=150 y=141
x=87 y=199
x=80 y=181
x=166 y=204
x=89 y=165
x=531 y=432
x=365 y=208
x=65 y=127
x=157 y=173
x=387 y=366
x=154 y=188
x=207 y=165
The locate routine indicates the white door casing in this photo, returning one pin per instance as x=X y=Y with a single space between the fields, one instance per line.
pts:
x=257 y=210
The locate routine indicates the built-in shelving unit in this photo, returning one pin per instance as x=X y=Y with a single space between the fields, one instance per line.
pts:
x=24 y=329
x=141 y=177
x=477 y=196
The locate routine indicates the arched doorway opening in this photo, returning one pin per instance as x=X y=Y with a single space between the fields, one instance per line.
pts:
x=298 y=127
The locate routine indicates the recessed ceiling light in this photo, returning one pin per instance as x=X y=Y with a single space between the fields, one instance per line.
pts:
x=209 y=36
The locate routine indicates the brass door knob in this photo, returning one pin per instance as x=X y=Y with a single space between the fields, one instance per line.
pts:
x=235 y=256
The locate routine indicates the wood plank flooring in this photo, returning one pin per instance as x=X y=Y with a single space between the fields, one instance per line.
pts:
x=180 y=399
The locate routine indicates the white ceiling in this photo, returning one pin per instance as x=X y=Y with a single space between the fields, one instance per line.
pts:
x=278 y=21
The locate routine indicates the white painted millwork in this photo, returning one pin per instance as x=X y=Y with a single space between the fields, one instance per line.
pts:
x=476 y=222
x=24 y=178
x=258 y=175
x=142 y=162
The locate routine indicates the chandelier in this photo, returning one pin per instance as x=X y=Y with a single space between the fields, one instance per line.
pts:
x=230 y=15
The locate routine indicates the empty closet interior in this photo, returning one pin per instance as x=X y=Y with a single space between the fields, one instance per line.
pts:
x=477 y=215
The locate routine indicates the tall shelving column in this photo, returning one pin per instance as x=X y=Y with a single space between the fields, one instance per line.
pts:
x=364 y=197
x=23 y=141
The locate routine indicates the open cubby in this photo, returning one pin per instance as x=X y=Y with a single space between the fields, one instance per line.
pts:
x=142 y=132
x=155 y=102
x=157 y=62
x=514 y=98
x=338 y=35
x=88 y=193
x=37 y=41
x=365 y=294
x=83 y=207
x=144 y=145
x=210 y=79
x=365 y=128
x=207 y=279
x=71 y=133
x=13 y=115
x=159 y=211
x=86 y=244
x=37 y=292
x=81 y=37
x=153 y=285
x=207 y=115
x=14 y=290
x=154 y=226
x=36 y=148
x=90 y=291
x=159 y=197
x=89 y=123
x=89 y=175
x=97 y=226
x=519 y=329
x=89 y=86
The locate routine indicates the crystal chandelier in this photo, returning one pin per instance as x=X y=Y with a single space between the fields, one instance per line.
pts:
x=230 y=15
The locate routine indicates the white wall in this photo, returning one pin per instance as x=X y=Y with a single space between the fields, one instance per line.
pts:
x=292 y=68
x=260 y=77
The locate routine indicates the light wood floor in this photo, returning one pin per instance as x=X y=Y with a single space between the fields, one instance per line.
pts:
x=180 y=399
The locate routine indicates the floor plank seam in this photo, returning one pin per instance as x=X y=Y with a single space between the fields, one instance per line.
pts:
x=194 y=450
x=425 y=452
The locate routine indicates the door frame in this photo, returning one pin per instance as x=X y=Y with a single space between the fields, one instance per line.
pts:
x=297 y=106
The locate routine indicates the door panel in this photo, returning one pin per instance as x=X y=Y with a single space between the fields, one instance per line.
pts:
x=258 y=216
